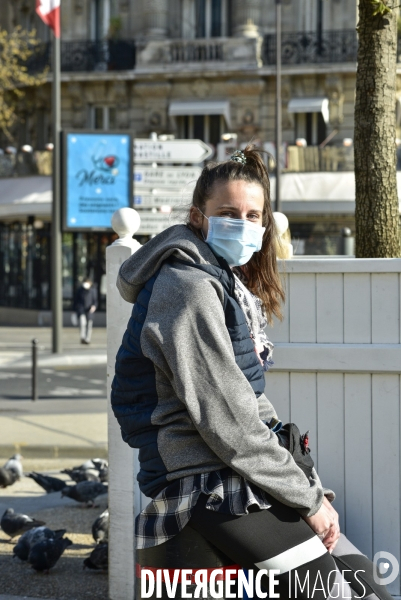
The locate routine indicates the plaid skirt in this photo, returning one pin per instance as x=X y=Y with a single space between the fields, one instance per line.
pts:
x=169 y=512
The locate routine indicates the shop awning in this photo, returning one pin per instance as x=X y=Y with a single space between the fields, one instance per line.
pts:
x=24 y=196
x=180 y=108
x=301 y=193
x=321 y=193
x=310 y=105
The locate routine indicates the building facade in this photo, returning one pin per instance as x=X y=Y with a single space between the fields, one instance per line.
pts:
x=204 y=68
x=153 y=65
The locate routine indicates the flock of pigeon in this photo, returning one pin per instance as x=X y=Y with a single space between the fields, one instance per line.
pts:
x=40 y=546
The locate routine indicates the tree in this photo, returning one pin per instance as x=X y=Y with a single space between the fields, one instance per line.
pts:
x=376 y=212
x=16 y=48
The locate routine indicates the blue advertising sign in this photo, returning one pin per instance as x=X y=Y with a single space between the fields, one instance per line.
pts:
x=97 y=178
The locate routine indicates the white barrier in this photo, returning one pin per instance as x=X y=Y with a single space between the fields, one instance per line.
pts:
x=336 y=373
x=121 y=457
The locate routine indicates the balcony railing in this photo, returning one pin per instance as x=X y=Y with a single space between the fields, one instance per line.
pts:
x=153 y=55
x=87 y=55
x=312 y=47
x=196 y=50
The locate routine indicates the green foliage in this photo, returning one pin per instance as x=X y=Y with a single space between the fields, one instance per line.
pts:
x=379 y=8
x=115 y=27
x=16 y=47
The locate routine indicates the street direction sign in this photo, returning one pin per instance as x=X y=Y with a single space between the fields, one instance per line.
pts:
x=156 y=222
x=171 y=151
x=153 y=198
x=164 y=177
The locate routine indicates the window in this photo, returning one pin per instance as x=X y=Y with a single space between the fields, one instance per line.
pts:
x=203 y=127
x=211 y=18
x=99 y=19
x=311 y=127
x=102 y=117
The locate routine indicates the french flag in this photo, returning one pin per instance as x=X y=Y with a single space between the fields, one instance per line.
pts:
x=49 y=12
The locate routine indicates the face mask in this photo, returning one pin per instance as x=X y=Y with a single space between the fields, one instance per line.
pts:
x=234 y=239
x=86 y=285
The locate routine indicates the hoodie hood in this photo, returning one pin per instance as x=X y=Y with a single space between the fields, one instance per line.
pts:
x=177 y=240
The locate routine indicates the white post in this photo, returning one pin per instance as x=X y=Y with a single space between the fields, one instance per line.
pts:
x=125 y=222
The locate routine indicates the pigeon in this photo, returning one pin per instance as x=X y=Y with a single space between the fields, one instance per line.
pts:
x=44 y=555
x=104 y=474
x=93 y=463
x=89 y=475
x=85 y=491
x=14 y=524
x=94 y=469
x=100 y=528
x=79 y=475
x=32 y=537
x=15 y=463
x=49 y=484
x=7 y=477
x=99 y=558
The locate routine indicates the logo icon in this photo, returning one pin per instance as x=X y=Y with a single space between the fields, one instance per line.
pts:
x=385 y=568
x=107 y=163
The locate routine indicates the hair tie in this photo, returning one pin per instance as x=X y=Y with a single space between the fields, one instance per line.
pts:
x=238 y=156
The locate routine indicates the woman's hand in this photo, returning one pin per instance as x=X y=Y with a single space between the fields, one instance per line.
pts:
x=325 y=524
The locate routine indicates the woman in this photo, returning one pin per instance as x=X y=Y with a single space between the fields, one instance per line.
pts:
x=188 y=392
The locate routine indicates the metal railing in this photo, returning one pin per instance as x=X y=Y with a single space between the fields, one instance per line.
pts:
x=196 y=50
x=117 y=55
x=87 y=55
x=312 y=47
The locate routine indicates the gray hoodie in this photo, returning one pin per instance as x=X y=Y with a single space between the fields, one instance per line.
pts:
x=207 y=413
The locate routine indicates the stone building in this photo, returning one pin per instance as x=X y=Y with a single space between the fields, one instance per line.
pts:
x=199 y=69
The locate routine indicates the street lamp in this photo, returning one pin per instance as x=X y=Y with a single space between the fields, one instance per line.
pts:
x=278 y=105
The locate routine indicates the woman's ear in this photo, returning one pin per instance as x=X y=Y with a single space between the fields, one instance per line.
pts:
x=195 y=217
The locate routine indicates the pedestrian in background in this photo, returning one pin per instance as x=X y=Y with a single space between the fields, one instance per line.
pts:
x=85 y=305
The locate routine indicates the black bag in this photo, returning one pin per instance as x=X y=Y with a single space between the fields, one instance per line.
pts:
x=290 y=438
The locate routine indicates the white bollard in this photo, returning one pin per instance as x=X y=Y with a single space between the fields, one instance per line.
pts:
x=125 y=222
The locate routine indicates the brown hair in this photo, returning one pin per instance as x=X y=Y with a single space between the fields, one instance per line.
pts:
x=261 y=271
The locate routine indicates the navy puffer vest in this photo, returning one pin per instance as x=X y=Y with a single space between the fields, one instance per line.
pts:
x=134 y=394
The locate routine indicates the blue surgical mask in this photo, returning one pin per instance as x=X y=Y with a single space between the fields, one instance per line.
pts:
x=235 y=240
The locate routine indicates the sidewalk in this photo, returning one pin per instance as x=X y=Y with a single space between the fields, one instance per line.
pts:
x=16 y=347
x=71 y=421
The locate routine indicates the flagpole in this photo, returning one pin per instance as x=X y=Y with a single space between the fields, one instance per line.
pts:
x=56 y=239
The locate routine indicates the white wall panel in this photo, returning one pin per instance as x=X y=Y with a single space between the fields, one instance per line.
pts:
x=358 y=461
x=385 y=308
x=278 y=391
x=280 y=331
x=330 y=423
x=329 y=308
x=304 y=407
x=357 y=308
x=302 y=307
x=386 y=466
